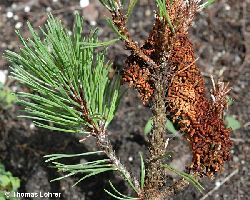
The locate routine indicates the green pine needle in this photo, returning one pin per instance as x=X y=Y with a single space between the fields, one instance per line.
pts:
x=206 y=4
x=131 y=7
x=89 y=168
x=163 y=12
x=69 y=86
x=117 y=194
x=52 y=157
x=111 y=5
x=115 y=29
x=142 y=172
x=187 y=177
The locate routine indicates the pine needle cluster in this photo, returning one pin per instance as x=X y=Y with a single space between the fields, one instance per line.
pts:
x=71 y=91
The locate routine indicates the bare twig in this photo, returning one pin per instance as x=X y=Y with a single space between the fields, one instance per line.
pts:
x=120 y=21
x=104 y=144
x=240 y=140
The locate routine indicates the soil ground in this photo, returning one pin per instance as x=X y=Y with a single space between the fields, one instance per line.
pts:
x=221 y=36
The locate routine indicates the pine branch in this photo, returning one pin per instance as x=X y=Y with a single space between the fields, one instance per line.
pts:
x=105 y=145
x=72 y=91
x=118 y=23
x=69 y=79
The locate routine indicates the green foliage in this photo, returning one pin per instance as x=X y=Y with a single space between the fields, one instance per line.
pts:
x=89 y=168
x=187 y=177
x=148 y=127
x=206 y=4
x=117 y=194
x=169 y=126
x=230 y=101
x=69 y=79
x=115 y=29
x=131 y=7
x=111 y=5
x=232 y=122
x=163 y=12
x=8 y=183
x=114 y=5
x=142 y=172
x=7 y=98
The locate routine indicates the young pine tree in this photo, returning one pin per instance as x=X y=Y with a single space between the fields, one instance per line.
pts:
x=70 y=92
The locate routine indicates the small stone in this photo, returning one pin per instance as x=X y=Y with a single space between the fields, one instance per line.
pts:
x=9 y=14
x=130 y=158
x=3 y=45
x=48 y=9
x=237 y=60
x=90 y=14
x=26 y=9
x=235 y=159
x=84 y=3
x=18 y=25
x=16 y=17
x=147 y=12
x=227 y=7
x=217 y=183
x=32 y=126
x=14 y=6
x=3 y=76
x=70 y=33
x=92 y=23
x=14 y=88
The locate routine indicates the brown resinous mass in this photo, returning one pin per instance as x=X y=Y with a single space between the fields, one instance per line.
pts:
x=199 y=117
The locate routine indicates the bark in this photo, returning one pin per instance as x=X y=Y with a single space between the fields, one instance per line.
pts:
x=155 y=175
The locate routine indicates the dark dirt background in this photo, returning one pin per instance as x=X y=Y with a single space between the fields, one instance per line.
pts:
x=221 y=36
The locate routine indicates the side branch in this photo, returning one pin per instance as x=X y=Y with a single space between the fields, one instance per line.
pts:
x=104 y=144
x=120 y=22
